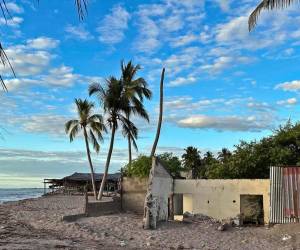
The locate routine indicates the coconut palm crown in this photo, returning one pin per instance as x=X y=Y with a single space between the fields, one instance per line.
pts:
x=116 y=105
x=92 y=127
x=136 y=89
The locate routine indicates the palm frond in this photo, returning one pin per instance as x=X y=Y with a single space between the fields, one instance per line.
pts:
x=129 y=130
x=74 y=132
x=267 y=5
x=81 y=8
x=94 y=141
x=70 y=124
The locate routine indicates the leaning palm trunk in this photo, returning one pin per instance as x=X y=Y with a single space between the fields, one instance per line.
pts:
x=129 y=146
x=160 y=113
x=90 y=162
x=129 y=150
x=100 y=194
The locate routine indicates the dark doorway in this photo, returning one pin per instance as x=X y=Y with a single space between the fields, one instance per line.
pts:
x=251 y=209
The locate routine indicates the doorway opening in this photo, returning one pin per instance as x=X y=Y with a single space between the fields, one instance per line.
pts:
x=251 y=209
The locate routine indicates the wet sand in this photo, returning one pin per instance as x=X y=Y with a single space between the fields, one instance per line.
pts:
x=38 y=224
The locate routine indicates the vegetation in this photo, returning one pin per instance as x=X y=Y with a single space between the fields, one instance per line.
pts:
x=247 y=160
x=92 y=127
x=141 y=166
x=191 y=161
x=267 y=5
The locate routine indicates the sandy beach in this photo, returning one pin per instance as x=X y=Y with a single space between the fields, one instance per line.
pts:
x=37 y=224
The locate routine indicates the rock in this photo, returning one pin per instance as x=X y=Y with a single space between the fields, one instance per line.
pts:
x=223 y=227
x=187 y=214
x=148 y=244
x=180 y=246
x=286 y=237
x=151 y=238
x=122 y=243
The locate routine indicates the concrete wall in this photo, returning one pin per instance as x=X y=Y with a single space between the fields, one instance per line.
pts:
x=220 y=199
x=161 y=187
x=133 y=194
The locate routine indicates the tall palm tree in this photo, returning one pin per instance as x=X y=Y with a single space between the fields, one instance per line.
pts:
x=92 y=127
x=115 y=105
x=135 y=90
x=267 y=5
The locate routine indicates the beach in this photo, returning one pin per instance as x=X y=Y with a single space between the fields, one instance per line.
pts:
x=37 y=224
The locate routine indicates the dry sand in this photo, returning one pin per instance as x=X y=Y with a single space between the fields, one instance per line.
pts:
x=37 y=224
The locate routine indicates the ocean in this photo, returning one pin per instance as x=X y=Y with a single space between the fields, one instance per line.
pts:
x=15 y=194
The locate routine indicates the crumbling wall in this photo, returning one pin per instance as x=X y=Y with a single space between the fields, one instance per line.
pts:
x=159 y=192
x=133 y=194
x=220 y=199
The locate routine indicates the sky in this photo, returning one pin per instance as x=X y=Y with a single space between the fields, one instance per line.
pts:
x=222 y=83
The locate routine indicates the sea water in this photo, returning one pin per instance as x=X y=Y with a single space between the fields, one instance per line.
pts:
x=15 y=194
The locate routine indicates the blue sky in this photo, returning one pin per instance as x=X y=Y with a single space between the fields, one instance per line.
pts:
x=223 y=84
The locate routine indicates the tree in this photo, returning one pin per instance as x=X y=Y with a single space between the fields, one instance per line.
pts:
x=172 y=163
x=161 y=103
x=267 y=5
x=139 y=167
x=224 y=155
x=136 y=90
x=191 y=160
x=116 y=105
x=92 y=127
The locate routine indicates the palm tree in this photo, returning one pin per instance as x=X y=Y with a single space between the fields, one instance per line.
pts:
x=116 y=105
x=267 y=5
x=224 y=155
x=135 y=90
x=191 y=160
x=92 y=127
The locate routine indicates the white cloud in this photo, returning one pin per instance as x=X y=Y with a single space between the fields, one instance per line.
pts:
x=61 y=76
x=289 y=86
x=111 y=30
x=147 y=40
x=42 y=43
x=183 y=40
x=13 y=7
x=288 y=102
x=13 y=22
x=78 y=32
x=235 y=29
x=179 y=81
x=172 y=23
x=224 y=4
x=26 y=62
x=225 y=123
x=46 y=123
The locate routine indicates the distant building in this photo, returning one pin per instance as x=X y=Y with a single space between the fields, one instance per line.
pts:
x=79 y=182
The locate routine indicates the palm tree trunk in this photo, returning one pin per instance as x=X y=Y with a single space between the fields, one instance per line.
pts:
x=90 y=162
x=129 y=150
x=129 y=146
x=100 y=194
x=160 y=112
